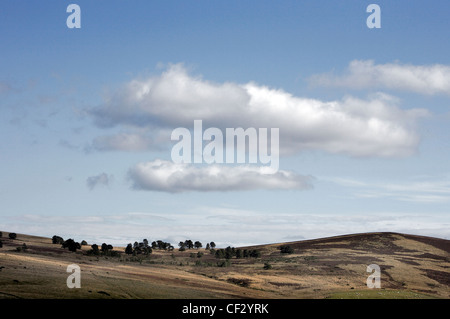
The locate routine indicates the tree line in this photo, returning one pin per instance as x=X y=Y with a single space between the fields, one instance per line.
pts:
x=146 y=248
x=143 y=247
x=231 y=252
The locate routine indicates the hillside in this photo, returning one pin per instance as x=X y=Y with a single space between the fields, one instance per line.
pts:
x=335 y=267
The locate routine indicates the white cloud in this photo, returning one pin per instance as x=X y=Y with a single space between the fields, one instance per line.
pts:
x=101 y=179
x=167 y=176
x=372 y=127
x=423 y=79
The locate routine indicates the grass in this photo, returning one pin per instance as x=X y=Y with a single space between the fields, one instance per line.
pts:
x=379 y=294
x=325 y=268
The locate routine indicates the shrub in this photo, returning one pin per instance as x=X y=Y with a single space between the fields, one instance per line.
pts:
x=224 y=263
x=286 y=249
x=267 y=266
x=243 y=282
x=94 y=251
x=22 y=248
x=12 y=235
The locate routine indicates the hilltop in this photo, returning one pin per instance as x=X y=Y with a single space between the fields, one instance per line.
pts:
x=334 y=267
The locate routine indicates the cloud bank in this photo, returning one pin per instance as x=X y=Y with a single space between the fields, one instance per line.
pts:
x=423 y=191
x=363 y=74
x=167 y=176
x=376 y=126
x=216 y=224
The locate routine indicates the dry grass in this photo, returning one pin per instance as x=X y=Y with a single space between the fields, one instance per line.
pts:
x=411 y=267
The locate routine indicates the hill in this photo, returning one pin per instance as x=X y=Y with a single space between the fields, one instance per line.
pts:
x=335 y=267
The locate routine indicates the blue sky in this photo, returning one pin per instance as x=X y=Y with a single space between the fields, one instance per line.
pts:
x=86 y=117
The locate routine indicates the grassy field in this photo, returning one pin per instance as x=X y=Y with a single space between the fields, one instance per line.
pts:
x=411 y=267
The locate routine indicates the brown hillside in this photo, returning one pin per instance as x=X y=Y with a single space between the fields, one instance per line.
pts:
x=334 y=267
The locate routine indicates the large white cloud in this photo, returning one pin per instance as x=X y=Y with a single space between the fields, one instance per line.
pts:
x=376 y=126
x=424 y=79
x=160 y=175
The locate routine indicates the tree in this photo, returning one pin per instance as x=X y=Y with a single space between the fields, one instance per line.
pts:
x=129 y=249
x=212 y=244
x=147 y=250
x=161 y=244
x=145 y=241
x=1 y=244
x=208 y=246
x=83 y=243
x=12 y=235
x=197 y=245
x=189 y=244
x=95 y=250
x=228 y=253
x=57 y=240
x=71 y=244
x=220 y=253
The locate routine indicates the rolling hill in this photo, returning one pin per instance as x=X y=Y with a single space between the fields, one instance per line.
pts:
x=335 y=267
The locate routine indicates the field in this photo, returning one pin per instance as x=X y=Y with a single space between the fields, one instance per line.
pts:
x=411 y=267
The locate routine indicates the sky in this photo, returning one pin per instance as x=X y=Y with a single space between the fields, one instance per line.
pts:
x=87 y=116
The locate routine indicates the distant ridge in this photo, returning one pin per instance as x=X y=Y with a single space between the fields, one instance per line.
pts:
x=440 y=243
